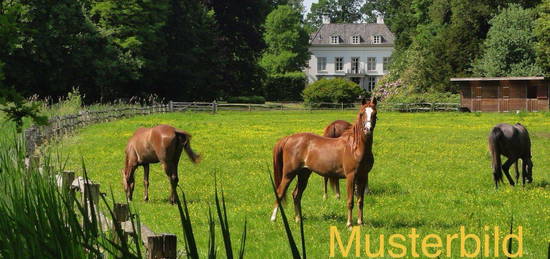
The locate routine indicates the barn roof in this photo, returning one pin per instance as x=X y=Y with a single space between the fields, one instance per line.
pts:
x=464 y=79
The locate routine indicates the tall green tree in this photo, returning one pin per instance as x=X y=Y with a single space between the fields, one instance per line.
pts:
x=509 y=47
x=542 y=34
x=287 y=41
x=339 y=11
x=58 y=49
x=240 y=44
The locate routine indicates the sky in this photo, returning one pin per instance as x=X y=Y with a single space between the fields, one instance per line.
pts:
x=307 y=4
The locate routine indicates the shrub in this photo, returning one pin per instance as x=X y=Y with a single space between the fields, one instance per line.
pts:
x=285 y=87
x=335 y=90
x=246 y=99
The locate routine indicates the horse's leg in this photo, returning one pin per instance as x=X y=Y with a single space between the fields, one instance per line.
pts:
x=350 y=182
x=326 y=182
x=171 y=169
x=523 y=171
x=506 y=167
x=517 y=171
x=303 y=177
x=146 y=181
x=361 y=183
x=281 y=190
x=130 y=182
x=336 y=184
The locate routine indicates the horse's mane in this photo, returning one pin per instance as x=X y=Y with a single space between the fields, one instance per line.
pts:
x=353 y=132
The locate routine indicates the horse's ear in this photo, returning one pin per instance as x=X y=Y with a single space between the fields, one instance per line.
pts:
x=364 y=101
x=373 y=100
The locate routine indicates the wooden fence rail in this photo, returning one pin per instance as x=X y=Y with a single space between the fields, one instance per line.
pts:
x=157 y=245
x=289 y=106
x=61 y=125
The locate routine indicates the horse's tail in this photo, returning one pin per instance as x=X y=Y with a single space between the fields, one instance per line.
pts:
x=494 y=137
x=278 y=162
x=185 y=139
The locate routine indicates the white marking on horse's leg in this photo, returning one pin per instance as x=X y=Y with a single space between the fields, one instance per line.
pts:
x=274 y=215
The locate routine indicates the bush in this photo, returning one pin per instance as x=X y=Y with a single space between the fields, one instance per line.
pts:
x=335 y=90
x=285 y=87
x=246 y=99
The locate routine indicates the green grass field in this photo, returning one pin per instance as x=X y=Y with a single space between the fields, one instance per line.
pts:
x=432 y=173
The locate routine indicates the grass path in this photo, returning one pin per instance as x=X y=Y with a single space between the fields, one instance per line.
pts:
x=432 y=173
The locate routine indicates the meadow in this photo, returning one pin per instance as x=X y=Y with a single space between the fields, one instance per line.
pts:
x=432 y=172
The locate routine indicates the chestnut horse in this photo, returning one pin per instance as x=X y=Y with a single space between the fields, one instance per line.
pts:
x=162 y=144
x=513 y=142
x=349 y=156
x=334 y=130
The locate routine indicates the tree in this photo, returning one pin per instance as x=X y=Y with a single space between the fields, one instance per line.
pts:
x=58 y=49
x=509 y=47
x=339 y=11
x=240 y=44
x=287 y=41
x=542 y=34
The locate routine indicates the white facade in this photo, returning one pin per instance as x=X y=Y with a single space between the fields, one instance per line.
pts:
x=361 y=75
x=335 y=47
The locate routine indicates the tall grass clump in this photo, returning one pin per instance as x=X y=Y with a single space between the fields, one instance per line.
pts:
x=38 y=220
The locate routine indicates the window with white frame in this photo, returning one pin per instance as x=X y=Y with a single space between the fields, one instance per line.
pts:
x=321 y=64
x=355 y=65
x=334 y=39
x=377 y=39
x=371 y=63
x=339 y=63
x=356 y=39
x=371 y=82
x=386 y=63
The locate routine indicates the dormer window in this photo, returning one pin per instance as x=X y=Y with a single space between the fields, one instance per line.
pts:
x=377 y=39
x=356 y=39
x=334 y=39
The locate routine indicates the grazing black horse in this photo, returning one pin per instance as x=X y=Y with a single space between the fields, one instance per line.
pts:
x=511 y=141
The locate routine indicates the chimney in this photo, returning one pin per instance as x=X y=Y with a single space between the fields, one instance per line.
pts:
x=380 y=19
x=326 y=19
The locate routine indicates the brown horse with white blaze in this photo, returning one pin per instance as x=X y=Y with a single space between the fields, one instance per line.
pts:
x=349 y=156
x=334 y=130
x=163 y=144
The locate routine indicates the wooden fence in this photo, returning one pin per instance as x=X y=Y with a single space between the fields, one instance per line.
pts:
x=214 y=107
x=157 y=245
x=58 y=126
x=62 y=125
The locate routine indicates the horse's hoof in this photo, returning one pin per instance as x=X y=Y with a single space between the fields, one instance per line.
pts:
x=349 y=225
x=325 y=197
x=298 y=219
x=360 y=222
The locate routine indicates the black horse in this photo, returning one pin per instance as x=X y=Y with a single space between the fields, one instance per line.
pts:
x=511 y=141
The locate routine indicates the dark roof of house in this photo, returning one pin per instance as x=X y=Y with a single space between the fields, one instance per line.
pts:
x=346 y=30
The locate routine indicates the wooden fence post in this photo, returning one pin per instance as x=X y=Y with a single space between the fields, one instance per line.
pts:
x=90 y=197
x=214 y=107
x=171 y=106
x=121 y=212
x=65 y=179
x=162 y=246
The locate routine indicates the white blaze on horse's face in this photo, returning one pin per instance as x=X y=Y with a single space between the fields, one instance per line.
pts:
x=368 y=119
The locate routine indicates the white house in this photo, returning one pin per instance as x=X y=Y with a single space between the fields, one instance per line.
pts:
x=358 y=51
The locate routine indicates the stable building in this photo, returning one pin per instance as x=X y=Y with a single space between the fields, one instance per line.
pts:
x=504 y=94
